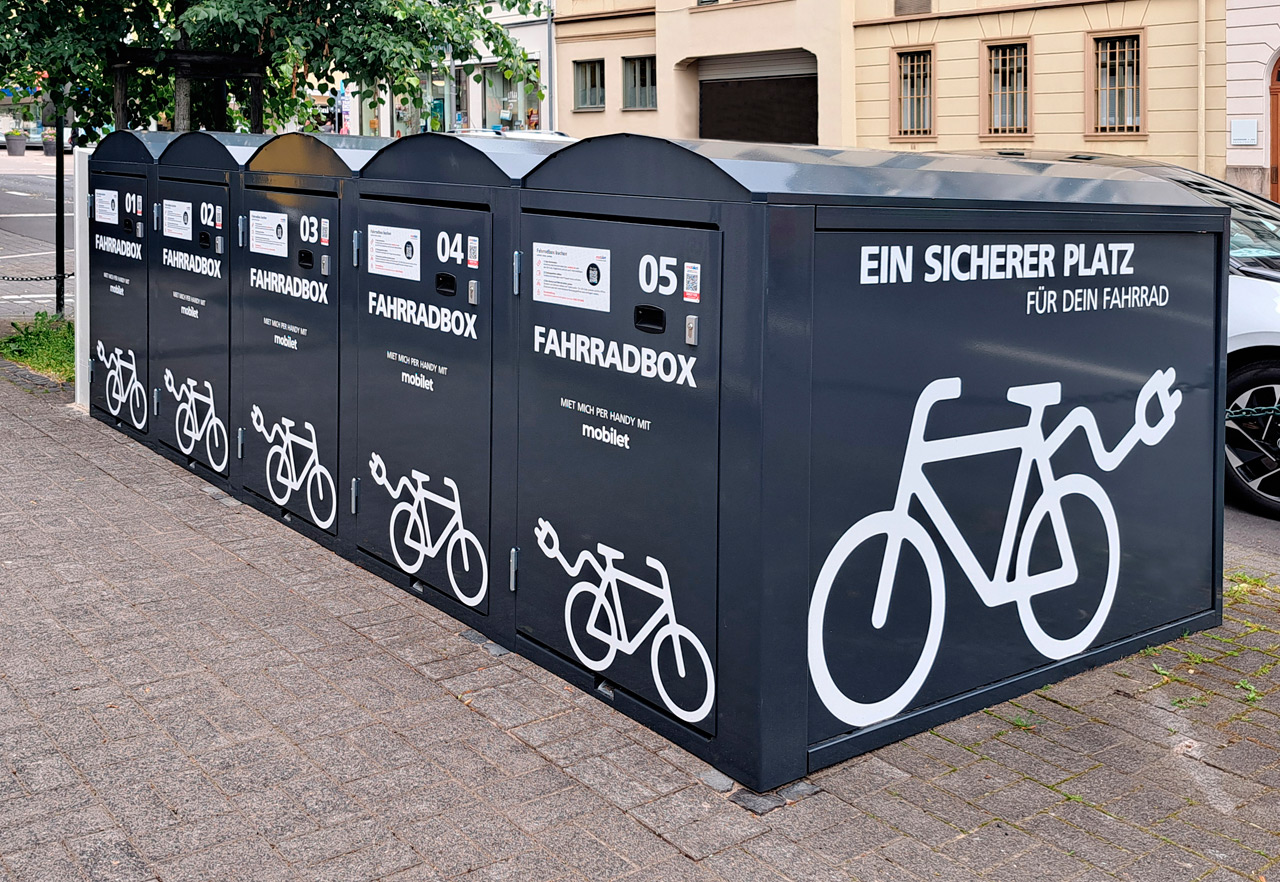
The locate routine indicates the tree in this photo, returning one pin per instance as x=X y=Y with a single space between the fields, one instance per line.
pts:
x=67 y=47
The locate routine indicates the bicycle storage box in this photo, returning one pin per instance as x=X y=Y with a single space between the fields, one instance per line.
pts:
x=817 y=449
x=197 y=191
x=121 y=175
x=432 y=293
x=286 y=318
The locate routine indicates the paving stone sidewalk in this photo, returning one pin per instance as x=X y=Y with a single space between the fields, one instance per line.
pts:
x=190 y=691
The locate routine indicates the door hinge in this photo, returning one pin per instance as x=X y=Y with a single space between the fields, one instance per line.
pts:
x=240 y=443
x=355 y=495
x=88 y=201
x=515 y=565
x=91 y=372
x=155 y=401
x=517 y=257
x=355 y=247
x=155 y=217
x=240 y=226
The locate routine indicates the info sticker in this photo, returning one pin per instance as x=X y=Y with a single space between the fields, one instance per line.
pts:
x=693 y=282
x=177 y=219
x=106 y=206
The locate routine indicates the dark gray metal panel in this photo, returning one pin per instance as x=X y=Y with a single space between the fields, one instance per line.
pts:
x=986 y=590
x=423 y=396
x=618 y=463
x=190 y=321
x=288 y=390
x=118 y=240
x=452 y=159
x=323 y=155
x=224 y=151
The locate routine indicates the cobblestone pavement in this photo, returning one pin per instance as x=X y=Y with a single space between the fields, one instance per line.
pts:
x=191 y=691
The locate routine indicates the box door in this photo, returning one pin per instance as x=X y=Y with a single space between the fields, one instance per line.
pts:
x=191 y=322
x=618 y=455
x=289 y=399
x=424 y=394
x=118 y=297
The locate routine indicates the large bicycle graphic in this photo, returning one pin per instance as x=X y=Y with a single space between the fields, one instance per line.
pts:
x=195 y=420
x=284 y=476
x=411 y=539
x=899 y=526
x=117 y=391
x=607 y=625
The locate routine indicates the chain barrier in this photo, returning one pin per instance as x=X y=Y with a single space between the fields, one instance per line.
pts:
x=1243 y=413
x=52 y=278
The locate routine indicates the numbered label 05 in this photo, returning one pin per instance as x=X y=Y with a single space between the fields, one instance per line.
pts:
x=658 y=274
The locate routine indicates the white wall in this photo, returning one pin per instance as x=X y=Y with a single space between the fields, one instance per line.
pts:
x=1253 y=45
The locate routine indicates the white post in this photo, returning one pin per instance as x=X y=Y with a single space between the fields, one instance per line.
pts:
x=81 y=230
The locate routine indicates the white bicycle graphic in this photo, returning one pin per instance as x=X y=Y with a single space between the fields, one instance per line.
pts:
x=284 y=476
x=195 y=420
x=898 y=526
x=411 y=540
x=607 y=624
x=118 y=391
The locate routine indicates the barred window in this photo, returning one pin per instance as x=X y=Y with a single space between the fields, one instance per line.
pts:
x=1118 y=88
x=915 y=93
x=588 y=81
x=640 y=83
x=1009 y=90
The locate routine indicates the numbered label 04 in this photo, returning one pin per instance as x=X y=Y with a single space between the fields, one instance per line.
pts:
x=449 y=247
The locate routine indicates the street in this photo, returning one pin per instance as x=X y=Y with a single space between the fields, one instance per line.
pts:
x=27 y=234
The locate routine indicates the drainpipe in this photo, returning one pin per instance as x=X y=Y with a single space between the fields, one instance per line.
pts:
x=1201 y=39
x=551 y=68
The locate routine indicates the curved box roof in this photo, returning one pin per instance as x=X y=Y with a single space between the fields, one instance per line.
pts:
x=637 y=165
x=129 y=146
x=296 y=153
x=458 y=159
x=225 y=151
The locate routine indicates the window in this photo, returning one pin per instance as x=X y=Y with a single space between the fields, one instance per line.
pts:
x=915 y=94
x=639 y=83
x=508 y=104
x=1117 y=86
x=588 y=85
x=1008 y=90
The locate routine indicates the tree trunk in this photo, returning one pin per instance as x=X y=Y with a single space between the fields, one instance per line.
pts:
x=120 y=102
x=181 y=102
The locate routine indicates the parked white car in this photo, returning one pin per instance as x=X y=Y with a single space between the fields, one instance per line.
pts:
x=1253 y=322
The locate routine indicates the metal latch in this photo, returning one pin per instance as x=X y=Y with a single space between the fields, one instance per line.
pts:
x=240 y=443
x=217 y=244
x=324 y=264
x=240 y=224
x=355 y=247
x=515 y=564
x=473 y=292
x=691 y=330
x=517 y=258
x=355 y=495
x=155 y=216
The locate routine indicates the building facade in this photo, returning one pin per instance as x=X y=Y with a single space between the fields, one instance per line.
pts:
x=1253 y=96
x=1116 y=76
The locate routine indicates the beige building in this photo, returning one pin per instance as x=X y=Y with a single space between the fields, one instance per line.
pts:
x=1119 y=76
x=1253 y=96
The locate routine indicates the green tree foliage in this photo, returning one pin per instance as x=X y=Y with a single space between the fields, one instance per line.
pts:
x=65 y=47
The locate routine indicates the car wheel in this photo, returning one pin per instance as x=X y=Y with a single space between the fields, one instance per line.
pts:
x=1253 y=442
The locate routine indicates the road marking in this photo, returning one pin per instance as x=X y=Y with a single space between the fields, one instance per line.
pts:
x=18 y=193
x=29 y=254
x=43 y=214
